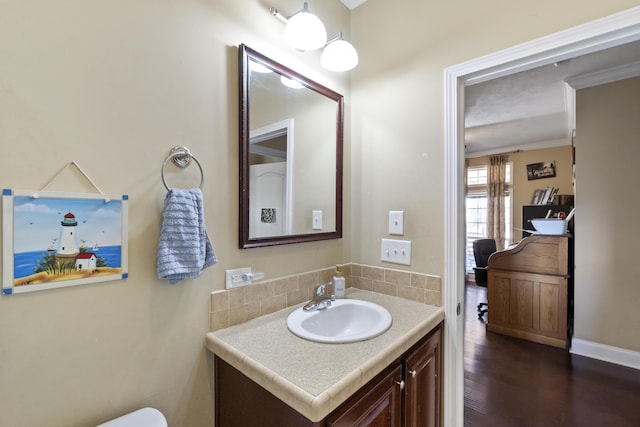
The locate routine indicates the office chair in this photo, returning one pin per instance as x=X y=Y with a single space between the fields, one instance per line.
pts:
x=482 y=249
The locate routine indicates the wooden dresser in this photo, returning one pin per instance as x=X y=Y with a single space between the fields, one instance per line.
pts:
x=529 y=290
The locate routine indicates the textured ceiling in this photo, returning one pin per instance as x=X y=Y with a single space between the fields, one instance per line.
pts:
x=531 y=109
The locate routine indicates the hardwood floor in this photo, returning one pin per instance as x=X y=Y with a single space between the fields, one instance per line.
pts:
x=512 y=382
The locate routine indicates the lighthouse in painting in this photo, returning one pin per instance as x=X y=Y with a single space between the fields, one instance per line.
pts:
x=68 y=248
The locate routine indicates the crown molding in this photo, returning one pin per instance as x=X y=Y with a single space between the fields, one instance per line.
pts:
x=609 y=75
x=352 y=4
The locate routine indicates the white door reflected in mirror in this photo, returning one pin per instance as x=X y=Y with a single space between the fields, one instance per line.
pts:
x=268 y=200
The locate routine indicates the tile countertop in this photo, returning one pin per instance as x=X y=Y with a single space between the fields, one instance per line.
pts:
x=315 y=378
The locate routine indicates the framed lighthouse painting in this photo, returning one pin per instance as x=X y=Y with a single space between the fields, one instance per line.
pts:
x=57 y=239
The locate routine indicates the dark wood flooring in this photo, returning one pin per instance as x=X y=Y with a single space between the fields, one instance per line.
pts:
x=512 y=382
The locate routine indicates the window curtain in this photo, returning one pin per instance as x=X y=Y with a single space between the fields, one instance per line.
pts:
x=495 y=199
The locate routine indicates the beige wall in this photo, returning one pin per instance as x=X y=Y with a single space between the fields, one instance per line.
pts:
x=114 y=85
x=397 y=104
x=315 y=168
x=523 y=188
x=607 y=204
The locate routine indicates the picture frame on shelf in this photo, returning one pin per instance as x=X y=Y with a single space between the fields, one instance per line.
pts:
x=544 y=196
x=536 y=196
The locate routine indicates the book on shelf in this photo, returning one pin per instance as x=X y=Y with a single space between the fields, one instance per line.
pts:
x=544 y=196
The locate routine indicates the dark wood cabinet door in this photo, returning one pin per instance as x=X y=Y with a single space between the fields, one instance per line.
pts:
x=422 y=398
x=239 y=401
x=378 y=406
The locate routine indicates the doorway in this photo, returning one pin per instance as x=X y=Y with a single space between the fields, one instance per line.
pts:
x=595 y=36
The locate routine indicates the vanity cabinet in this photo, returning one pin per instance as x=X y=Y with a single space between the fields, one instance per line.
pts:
x=406 y=393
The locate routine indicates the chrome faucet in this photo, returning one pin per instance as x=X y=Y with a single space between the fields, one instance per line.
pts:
x=321 y=299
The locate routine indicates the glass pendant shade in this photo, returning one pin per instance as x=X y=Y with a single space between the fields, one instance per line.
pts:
x=339 y=55
x=305 y=31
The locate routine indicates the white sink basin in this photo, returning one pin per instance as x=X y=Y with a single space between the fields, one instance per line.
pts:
x=345 y=320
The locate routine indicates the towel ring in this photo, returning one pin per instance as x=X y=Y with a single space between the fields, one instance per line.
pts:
x=181 y=157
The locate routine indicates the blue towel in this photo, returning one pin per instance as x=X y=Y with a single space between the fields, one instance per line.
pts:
x=184 y=249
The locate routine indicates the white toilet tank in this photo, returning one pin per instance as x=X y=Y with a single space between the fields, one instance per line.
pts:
x=145 y=417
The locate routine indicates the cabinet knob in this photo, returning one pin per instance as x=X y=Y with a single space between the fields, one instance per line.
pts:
x=413 y=373
x=401 y=384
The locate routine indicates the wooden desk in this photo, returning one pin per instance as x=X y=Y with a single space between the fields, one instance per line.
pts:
x=528 y=290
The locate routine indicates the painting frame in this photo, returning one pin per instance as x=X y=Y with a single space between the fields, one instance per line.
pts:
x=91 y=244
x=541 y=170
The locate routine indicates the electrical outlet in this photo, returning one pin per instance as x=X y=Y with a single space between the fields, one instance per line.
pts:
x=236 y=277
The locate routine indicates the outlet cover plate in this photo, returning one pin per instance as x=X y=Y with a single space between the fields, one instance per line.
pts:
x=396 y=251
x=234 y=277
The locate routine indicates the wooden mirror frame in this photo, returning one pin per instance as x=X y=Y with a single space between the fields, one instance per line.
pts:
x=245 y=55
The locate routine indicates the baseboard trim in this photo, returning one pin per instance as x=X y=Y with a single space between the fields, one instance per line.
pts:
x=619 y=356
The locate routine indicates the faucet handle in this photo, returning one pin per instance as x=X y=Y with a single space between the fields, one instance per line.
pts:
x=318 y=290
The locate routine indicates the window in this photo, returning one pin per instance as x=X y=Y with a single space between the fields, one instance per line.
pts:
x=476 y=209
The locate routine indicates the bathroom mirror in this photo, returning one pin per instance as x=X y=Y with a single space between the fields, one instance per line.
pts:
x=291 y=131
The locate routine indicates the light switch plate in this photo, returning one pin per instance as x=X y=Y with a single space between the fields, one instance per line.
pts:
x=396 y=251
x=317 y=220
x=396 y=222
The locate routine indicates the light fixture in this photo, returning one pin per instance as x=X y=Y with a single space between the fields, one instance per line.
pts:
x=304 y=31
x=339 y=55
